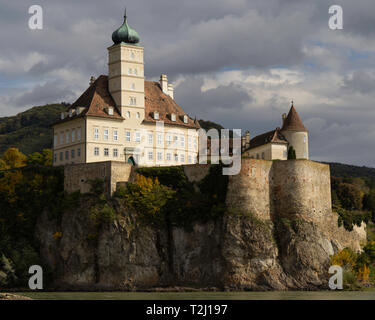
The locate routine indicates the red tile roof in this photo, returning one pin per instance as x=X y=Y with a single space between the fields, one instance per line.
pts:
x=293 y=122
x=274 y=136
x=157 y=100
x=96 y=100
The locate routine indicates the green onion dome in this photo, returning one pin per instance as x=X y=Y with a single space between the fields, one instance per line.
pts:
x=125 y=34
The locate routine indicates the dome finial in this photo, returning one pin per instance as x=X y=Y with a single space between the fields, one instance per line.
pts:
x=125 y=34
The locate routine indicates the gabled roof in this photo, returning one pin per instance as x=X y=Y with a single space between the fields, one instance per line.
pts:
x=157 y=100
x=274 y=136
x=293 y=122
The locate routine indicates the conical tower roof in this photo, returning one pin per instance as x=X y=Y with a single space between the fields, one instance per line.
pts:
x=293 y=122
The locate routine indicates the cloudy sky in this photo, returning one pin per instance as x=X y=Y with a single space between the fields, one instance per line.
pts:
x=237 y=62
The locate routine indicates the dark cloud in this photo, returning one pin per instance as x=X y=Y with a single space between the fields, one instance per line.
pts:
x=211 y=103
x=49 y=92
x=360 y=81
x=198 y=40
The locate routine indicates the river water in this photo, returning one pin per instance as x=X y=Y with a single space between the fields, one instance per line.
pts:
x=271 y=295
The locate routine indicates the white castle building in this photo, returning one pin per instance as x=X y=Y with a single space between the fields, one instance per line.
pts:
x=275 y=144
x=123 y=117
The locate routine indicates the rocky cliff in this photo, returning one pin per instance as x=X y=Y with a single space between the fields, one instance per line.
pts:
x=252 y=249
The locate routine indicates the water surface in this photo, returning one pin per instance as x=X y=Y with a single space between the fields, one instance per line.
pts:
x=271 y=295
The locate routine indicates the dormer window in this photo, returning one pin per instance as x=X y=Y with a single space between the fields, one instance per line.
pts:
x=156 y=115
x=110 y=111
x=185 y=118
x=173 y=117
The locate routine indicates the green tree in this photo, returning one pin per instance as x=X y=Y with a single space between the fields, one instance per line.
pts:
x=349 y=196
x=291 y=153
x=41 y=159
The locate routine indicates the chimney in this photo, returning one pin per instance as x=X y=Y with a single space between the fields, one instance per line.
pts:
x=283 y=118
x=170 y=90
x=164 y=83
x=247 y=139
x=92 y=80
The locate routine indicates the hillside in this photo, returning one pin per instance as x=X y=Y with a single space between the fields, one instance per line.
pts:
x=30 y=131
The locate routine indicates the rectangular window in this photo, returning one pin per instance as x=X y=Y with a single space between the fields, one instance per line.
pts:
x=106 y=152
x=67 y=137
x=96 y=133
x=195 y=143
x=176 y=157
x=61 y=156
x=55 y=157
x=169 y=139
x=190 y=159
x=115 y=153
x=150 y=138
x=115 y=135
x=79 y=152
x=96 y=151
x=127 y=136
x=66 y=155
x=160 y=139
x=73 y=135
x=55 y=140
x=72 y=154
x=182 y=141
x=160 y=156
x=79 y=134
x=137 y=136
x=168 y=157
x=61 y=137
x=133 y=101
x=106 y=133
x=175 y=138
x=182 y=157
x=150 y=155
x=189 y=142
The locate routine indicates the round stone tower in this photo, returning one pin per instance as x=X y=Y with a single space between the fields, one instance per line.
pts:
x=296 y=133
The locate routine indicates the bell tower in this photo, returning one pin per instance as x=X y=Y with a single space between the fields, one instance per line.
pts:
x=126 y=72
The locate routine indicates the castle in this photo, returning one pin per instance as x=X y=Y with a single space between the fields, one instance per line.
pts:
x=123 y=120
x=123 y=117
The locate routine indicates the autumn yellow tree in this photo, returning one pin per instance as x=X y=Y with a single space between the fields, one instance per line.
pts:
x=12 y=158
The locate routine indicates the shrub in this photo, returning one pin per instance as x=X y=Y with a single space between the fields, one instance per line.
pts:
x=101 y=214
x=148 y=197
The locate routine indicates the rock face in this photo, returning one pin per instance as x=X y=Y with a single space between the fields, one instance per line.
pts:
x=259 y=244
x=9 y=296
x=238 y=252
